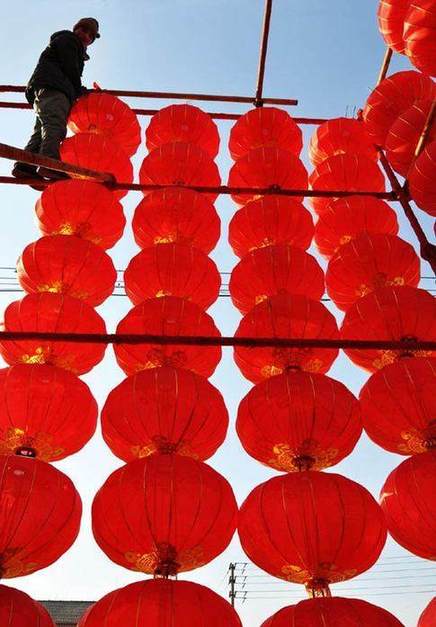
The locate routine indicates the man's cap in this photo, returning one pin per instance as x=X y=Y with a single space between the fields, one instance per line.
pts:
x=90 y=23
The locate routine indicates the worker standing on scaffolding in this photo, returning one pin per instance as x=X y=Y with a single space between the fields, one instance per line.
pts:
x=53 y=87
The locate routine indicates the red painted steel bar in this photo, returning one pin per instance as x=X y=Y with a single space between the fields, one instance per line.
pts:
x=223 y=189
x=186 y=340
x=427 y=249
x=148 y=112
x=17 y=154
x=172 y=96
x=258 y=102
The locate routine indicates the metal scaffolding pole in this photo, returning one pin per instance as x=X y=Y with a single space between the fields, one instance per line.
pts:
x=164 y=95
x=406 y=345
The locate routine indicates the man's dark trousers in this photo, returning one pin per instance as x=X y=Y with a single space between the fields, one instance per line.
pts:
x=52 y=108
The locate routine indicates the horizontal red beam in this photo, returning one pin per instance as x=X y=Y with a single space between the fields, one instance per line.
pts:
x=223 y=189
x=215 y=116
x=187 y=340
x=164 y=95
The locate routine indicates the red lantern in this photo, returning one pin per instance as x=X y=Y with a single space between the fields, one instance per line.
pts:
x=316 y=421
x=45 y=411
x=368 y=263
x=164 y=410
x=183 y=123
x=164 y=514
x=179 y=163
x=65 y=264
x=332 y=612
x=404 y=134
x=52 y=313
x=346 y=172
x=82 y=208
x=390 y=313
x=161 y=603
x=279 y=269
x=282 y=317
x=42 y=507
x=420 y=35
x=428 y=617
x=176 y=216
x=270 y=220
x=18 y=609
x=172 y=270
x=265 y=127
x=312 y=528
x=165 y=316
x=268 y=167
x=98 y=153
x=107 y=116
x=421 y=180
x=407 y=500
x=399 y=406
x=390 y=15
x=339 y=136
x=391 y=97
x=346 y=218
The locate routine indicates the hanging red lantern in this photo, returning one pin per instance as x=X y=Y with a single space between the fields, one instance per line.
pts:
x=269 y=167
x=42 y=507
x=265 y=127
x=368 y=263
x=420 y=35
x=176 y=216
x=98 y=153
x=168 y=316
x=161 y=603
x=172 y=270
x=390 y=16
x=346 y=172
x=164 y=514
x=390 y=313
x=279 y=269
x=179 y=163
x=421 y=180
x=403 y=136
x=399 y=406
x=44 y=411
x=164 y=410
x=332 y=612
x=312 y=528
x=283 y=317
x=52 y=313
x=66 y=264
x=18 y=609
x=82 y=208
x=183 y=123
x=270 y=220
x=339 y=136
x=428 y=617
x=107 y=116
x=346 y=218
x=391 y=97
x=407 y=500
x=316 y=421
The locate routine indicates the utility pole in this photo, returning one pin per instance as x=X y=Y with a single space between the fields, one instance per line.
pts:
x=232 y=582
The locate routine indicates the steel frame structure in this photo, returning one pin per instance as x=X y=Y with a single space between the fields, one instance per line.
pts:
x=398 y=193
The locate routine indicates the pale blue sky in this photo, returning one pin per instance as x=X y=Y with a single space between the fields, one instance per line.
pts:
x=326 y=54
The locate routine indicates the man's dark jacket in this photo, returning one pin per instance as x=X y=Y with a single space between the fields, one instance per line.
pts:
x=60 y=66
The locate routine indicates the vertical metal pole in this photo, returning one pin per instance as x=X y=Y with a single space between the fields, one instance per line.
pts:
x=427 y=249
x=385 y=65
x=232 y=581
x=262 y=55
